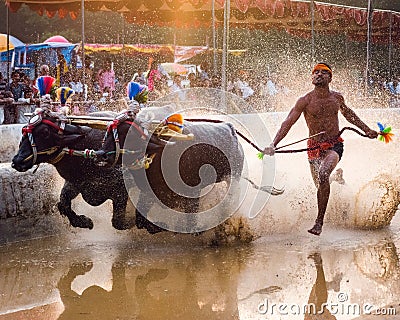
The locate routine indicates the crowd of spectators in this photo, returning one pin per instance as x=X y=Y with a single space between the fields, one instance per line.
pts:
x=262 y=91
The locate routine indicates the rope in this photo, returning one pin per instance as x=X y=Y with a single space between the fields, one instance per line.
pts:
x=237 y=132
x=278 y=151
x=317 y=147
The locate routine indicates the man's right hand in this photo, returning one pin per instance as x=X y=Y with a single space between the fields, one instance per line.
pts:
x=270 y=150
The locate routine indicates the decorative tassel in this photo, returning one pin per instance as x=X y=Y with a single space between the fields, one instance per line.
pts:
x=137 y=91
x=175 y=122
x=45 y=84
x=63 y=94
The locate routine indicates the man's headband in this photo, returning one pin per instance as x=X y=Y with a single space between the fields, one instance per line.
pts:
x=321 y=66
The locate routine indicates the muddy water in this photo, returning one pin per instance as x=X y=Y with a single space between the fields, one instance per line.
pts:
x=283 y=274
x=104 y=274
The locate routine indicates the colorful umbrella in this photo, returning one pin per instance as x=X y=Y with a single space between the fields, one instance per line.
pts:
x=59 y=39
x=14 y=42
x=173 y=68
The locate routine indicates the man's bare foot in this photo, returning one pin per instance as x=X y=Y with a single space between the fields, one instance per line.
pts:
x=337 y=176
x=316 y=230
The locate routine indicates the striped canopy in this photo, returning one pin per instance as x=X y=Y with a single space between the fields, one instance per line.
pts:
x=294 y=16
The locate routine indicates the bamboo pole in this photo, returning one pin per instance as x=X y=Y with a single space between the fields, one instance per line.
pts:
x=227 y=10
x=312 y=33
x=214 y=38
x=368 y=48
x=83 y=47
x=390 y=45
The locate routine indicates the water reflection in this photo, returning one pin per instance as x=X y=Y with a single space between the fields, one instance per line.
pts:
x=333 y=278
x=95 y=302
x=121 y=280
x=379 y=262
x=319 y=293
x=186 y=285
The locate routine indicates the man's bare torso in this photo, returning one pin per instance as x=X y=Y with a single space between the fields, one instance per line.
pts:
x=321 y=114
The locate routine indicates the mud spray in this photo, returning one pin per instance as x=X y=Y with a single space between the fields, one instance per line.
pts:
x=368 y=198
x=365 y=197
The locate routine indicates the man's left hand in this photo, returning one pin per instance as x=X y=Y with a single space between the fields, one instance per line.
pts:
x=372 y=134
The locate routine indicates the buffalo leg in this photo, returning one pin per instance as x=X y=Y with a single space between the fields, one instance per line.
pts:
x=68 y=193
x=120 y=221
x=142 y=208
x=70 y=297
x=190 y=206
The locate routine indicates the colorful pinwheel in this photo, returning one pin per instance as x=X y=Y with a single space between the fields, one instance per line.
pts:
x=385 y=134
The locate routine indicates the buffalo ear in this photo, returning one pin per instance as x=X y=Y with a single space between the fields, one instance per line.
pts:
x=71 y=139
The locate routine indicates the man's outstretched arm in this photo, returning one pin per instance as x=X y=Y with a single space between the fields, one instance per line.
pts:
x=351 y=117
x=290 y=120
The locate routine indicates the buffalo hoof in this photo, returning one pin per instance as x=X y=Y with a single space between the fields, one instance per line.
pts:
x=123 y=223
x=140 y=221
x=81 y=222
x=75 y=220
x=316 y=230
x=153 y=229
x=143 y=223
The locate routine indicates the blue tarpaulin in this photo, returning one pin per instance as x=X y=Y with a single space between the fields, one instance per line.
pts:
x=66 y=49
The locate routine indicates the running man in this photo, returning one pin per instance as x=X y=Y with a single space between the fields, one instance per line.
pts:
x=321 y=107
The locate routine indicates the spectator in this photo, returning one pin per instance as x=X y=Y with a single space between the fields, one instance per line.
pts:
x=155 y=82
x=74 y=83
x=397 y=86
x=16 y=87
x=153 y=76
x=177 y=87
x=44 y=82
x=62 y=69
x=3 y=83
x=29 y=95
x=204 y=71
x=193 y=81
x=88 y=88
x=271 y=87
x=106 y=78
x=27 y=83
x=243 y=86
x=44 y=70
x=176 y=84
x=139 y=77
x=6 y=99
x=216 y=81
x=206 y=83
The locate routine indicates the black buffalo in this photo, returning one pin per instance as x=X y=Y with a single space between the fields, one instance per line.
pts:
x=50 y=138
x=213 y=156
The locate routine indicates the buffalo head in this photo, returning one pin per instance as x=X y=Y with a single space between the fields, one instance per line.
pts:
x=43 y=139
x=126 y=136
